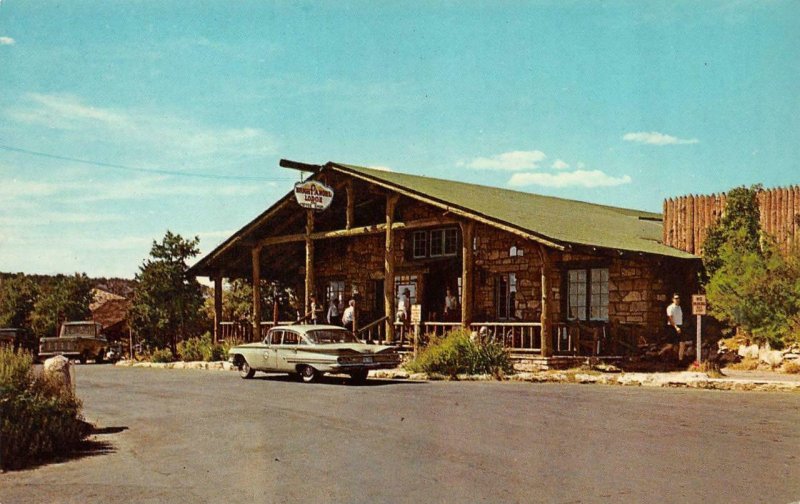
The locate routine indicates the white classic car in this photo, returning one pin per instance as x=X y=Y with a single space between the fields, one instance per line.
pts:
x=310 y=351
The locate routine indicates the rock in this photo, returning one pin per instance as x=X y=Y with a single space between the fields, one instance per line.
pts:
x=748 y=352
x=791 y=356
x=60 y=369
x=228 y=366
x=179 y=365
x=418 y=376
x=772 y=357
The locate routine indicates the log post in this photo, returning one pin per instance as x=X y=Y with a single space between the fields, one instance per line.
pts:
x=546 y=346
x=217 y=307
x=689 y=223
x=351 y=205
x=388 y=268
x=467 y=262
x=256 y=253
x=309 y=283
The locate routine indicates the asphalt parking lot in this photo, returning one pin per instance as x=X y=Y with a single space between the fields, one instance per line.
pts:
x=203 y=436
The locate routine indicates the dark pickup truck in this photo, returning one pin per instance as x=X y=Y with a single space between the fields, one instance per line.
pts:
x=81 y=340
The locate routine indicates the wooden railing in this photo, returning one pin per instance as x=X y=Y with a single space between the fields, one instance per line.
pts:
x=513 y=335
x=243 y=331
x=372 y=331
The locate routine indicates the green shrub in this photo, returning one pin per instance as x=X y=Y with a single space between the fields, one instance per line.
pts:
x=39 y=417
x=456 y=354
x=162 y=355
x=201 y=349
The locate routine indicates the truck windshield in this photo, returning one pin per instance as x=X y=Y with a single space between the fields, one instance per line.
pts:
x=323 y=336
x=79 y=330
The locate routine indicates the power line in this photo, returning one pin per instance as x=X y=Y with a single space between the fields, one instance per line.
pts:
x=141 y=170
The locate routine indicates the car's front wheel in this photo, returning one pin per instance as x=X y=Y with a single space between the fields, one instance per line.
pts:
x=309 y=374
x=245 y=371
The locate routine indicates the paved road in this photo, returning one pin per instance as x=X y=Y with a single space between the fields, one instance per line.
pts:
x=200 y=436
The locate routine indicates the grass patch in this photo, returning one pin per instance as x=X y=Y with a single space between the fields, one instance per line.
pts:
x=456 y=354
x=791 y=367
x=746 y=364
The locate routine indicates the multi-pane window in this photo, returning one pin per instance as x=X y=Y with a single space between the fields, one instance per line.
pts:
x=587 y=294
x=576 y=299
x=334 y=289
x=435 y=243
x=598 y=302
x=505 y=296
x=420 y=244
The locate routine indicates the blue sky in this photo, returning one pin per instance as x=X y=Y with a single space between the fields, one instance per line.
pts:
x=622 y=103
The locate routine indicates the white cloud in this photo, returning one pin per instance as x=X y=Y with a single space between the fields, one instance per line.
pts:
x=578 y=178
x=560 y=165
x=145 y=137
x=508 y=161
x=7 y=41
x=656 y=138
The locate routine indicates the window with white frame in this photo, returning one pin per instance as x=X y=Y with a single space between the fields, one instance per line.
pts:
x=587 y=294
x=420 y=244
x=333 y=290
x=598 y=300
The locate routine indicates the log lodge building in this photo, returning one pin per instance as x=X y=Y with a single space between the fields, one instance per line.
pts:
x=591 y=279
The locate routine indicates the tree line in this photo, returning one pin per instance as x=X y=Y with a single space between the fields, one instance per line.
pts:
x=167 y=304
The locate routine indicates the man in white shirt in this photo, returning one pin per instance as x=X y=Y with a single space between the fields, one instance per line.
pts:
x=675 y=324
x=349 y=315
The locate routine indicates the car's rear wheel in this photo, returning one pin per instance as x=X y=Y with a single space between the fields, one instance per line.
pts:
x=359 y=377
x=309 y=374
x=100 y=356
x=83 y=357
x=245 y=371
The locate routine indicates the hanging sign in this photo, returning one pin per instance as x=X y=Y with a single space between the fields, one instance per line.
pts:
x=313 y=195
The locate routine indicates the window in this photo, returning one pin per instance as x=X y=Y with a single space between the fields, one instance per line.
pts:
x=420 y=244
x=403 y=282
x=275 y=337
x=587 y=294
x=333 y=290
x=505 y=293
x=598 y=305
x=290 y=338
x=435 y=243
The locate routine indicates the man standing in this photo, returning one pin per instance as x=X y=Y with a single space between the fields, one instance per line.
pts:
x=349 y=316
x=675 y=324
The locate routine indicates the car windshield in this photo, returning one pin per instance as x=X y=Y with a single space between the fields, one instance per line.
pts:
x=79 y=330
x=324 y=336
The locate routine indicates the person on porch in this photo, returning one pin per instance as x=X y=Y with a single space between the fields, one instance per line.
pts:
x=349 y=317
x=450 y=306
x=333 y=311
x=675 y=325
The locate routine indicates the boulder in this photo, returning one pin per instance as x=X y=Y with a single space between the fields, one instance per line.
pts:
x=772 y=357
x=748 y=352
x=60 y=369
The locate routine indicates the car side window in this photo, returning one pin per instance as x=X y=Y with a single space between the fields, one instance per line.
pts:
x=275 y=337
x=290 y=338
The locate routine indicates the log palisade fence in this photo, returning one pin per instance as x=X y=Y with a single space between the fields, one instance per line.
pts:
x=688 y=218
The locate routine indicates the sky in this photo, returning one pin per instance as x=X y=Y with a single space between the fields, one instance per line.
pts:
x=120 y=120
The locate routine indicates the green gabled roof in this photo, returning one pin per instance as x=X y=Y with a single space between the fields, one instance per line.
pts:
x=555 y=219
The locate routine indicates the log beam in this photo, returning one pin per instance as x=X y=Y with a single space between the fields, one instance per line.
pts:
x=388 y=268
x=357 y=231
x=467 y=268
x=546 y=346
x=351 y=205
x=217 y=307
x=309 y=283
x=256 y=259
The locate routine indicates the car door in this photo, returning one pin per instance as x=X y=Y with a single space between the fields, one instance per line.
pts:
x=269 y=354
x=287 y=351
